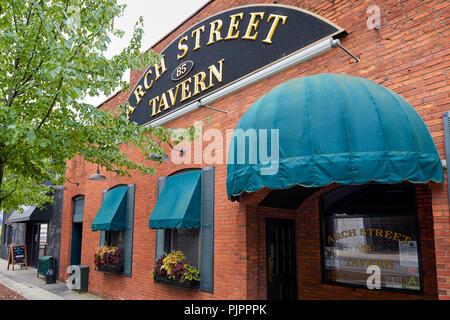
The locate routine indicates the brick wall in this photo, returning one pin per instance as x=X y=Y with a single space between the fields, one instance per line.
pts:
x=409 y=55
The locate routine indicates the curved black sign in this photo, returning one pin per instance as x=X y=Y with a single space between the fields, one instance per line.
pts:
x=220 y=50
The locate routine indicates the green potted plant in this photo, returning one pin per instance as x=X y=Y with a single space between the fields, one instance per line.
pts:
x=109 y=259
x=173 y=269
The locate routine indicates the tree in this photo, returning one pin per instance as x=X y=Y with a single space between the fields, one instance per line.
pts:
x=52 y=57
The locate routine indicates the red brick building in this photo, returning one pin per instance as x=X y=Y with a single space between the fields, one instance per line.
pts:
x=284 y=243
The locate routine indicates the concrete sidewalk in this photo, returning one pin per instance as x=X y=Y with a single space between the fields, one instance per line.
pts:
x=26 y=283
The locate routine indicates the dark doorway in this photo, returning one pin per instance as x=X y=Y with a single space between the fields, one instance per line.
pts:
x=281 y=266
x=75 y=251
x=32 y=243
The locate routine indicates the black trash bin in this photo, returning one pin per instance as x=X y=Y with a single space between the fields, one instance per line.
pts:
x=50 y=275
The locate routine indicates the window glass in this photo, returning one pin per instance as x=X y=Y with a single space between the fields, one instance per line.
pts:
x=43 y=239
x=78 y=209
x=375 y=250
x=186 y=240
x=115 y=239
x=389 y=243
x=10 y=234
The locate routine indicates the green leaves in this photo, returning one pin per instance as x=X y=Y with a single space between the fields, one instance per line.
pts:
x=53 y=56
x=190 y=273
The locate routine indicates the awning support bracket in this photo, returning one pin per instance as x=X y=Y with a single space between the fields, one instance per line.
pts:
x=212 y=108
x=337 y=43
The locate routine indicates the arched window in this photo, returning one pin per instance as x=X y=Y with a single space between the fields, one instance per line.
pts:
x=183 y=217
x=370 y=237
x=185 y=240
x=77 y=229
x=116 y=238
x=78 y=209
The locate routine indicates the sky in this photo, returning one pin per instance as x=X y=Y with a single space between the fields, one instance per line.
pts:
x=160 y=17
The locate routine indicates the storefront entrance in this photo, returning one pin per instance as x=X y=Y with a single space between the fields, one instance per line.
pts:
x=75 y=252
x=280 y=253
x=32 y=242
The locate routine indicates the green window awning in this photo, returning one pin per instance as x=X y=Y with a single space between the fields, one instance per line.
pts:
x=179 y=204
x=112 y=214
x=330 y=128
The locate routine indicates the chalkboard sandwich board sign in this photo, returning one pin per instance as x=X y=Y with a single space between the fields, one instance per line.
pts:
x=17 y=255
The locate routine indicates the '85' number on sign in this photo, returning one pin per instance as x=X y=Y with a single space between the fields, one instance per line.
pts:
x=181 y=69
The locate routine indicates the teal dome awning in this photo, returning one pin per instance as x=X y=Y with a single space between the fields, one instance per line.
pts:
x=327 y=128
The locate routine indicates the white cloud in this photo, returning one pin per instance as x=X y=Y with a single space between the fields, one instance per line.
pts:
x=160 y=17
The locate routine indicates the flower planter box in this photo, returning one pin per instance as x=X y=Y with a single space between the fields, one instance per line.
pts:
x=188 y=284
x=111 y=269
